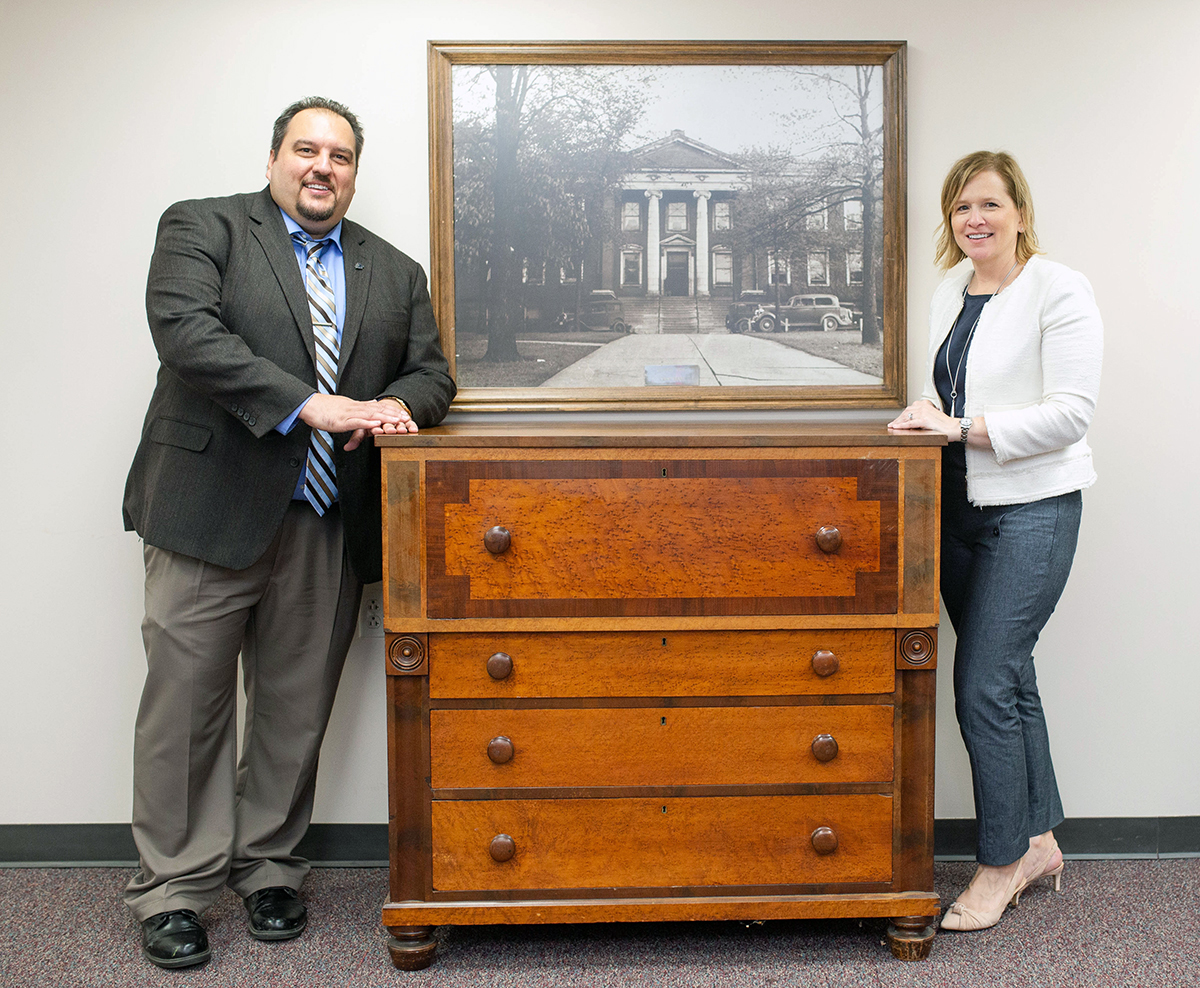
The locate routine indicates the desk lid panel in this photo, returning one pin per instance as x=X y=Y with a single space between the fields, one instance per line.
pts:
x=598 y=538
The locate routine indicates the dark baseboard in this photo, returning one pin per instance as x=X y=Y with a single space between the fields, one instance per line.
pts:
x=1102 y=837
x=365 y=844
x=111 y=844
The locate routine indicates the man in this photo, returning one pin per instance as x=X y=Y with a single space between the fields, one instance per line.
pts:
x=287 y=337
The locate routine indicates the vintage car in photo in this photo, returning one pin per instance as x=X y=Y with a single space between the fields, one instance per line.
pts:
x=748 y=311
x=601 y=310
x=754 y=312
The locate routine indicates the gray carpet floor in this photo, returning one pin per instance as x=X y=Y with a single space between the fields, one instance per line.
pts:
x=1115 y=923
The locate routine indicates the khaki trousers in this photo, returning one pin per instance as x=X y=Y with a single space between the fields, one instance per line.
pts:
x=202 y=818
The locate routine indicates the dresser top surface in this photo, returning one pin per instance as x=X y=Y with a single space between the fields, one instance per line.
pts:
x=671 y=434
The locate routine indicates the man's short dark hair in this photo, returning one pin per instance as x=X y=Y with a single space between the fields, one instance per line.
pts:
x=317 y=103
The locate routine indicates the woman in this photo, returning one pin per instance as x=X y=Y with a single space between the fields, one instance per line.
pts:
x=1014 y=370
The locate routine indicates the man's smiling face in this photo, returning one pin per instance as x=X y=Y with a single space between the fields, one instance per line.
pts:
x=312 y=174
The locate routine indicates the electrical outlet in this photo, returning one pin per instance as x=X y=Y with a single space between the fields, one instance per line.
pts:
x=370 y=614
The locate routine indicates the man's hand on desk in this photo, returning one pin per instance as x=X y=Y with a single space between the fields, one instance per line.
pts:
x=405 y=425
x=337 y=413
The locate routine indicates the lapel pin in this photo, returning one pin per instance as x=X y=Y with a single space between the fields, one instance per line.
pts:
x=358 y=266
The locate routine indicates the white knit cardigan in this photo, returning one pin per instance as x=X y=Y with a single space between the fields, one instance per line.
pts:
x=1033 y=372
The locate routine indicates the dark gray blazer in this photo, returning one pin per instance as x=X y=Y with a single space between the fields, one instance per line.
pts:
x=229 y=315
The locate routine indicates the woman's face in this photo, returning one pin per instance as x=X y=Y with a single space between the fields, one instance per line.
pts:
x=986 y=221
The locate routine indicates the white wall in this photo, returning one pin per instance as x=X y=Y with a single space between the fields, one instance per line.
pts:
x=114 y=110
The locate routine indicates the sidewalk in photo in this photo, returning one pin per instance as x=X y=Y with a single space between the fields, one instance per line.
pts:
x=723 y=360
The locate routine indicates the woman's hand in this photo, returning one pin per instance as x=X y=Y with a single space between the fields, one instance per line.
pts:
x=923 y=414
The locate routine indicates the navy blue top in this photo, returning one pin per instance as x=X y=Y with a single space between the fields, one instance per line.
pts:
x=956 y=347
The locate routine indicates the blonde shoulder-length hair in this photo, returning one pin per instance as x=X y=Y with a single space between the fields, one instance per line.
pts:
x=965 y=169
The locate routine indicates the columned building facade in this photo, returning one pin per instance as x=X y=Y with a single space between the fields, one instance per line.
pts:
x=674 y=217
x=675 y=226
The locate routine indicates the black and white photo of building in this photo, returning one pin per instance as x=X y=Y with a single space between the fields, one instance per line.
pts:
x=576 y=212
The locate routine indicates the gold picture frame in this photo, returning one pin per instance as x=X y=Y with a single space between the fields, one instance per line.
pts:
x=569 y=219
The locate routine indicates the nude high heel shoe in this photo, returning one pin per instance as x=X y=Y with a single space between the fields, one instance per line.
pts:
x=964 y=918
x=1050 y=866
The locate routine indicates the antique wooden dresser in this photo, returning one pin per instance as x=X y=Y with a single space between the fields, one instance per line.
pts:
x=650 y=672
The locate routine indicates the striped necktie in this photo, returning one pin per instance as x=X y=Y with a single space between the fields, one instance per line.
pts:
x=320 y=483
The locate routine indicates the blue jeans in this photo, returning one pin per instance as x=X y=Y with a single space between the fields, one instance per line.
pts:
x=1003 y=571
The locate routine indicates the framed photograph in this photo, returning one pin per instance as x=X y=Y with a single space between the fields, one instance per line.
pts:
x=666 y=225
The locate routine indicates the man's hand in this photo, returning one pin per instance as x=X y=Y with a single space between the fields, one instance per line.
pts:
x=337 y=413
x=405 y=425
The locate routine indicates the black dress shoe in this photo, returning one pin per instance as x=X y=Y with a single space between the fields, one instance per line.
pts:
x=276 y=913
x=174 y=939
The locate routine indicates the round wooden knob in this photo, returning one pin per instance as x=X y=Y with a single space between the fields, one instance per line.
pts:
x=499 y=666
x=502 y=847
x=501 y=750
x=497 y=539
x=824 y=840
x=824 y=662
x=829 y=539
x=825 y=747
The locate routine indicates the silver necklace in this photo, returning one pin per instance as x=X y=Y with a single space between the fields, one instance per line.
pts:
x=953 y=374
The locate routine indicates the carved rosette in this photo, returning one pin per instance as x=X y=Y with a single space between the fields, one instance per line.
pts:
x=406 y=656
x=918 y=649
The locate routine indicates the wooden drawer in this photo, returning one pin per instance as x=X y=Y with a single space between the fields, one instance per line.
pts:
x=660 y=746
x=678 y=663
x=637 y=843
x=661 y=537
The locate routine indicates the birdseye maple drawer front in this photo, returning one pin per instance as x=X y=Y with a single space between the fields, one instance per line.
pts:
x=667 y=663
x=660 y=746
x=689 y=841
x=661 y=537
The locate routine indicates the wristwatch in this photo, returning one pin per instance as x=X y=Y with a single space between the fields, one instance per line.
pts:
x=964 y=426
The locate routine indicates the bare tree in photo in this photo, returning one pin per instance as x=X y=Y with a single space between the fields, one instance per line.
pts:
x=773 y=214
x=533 y=171
x=856 y=148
